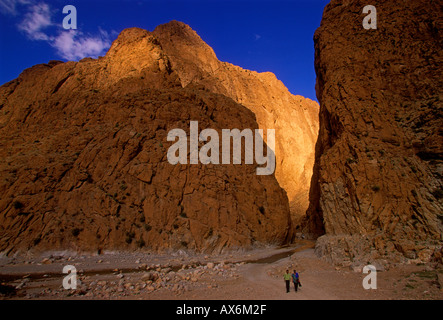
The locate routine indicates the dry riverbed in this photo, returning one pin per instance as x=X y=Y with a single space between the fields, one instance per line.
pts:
x=255 y=274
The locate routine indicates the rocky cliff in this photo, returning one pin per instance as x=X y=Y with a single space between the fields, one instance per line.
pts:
x=377 y=184
x=83 y=159
x=294 y=118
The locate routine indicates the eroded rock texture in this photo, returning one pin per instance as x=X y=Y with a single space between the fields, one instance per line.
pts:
x=294 y=118
x=377 y=183
x=83 y=159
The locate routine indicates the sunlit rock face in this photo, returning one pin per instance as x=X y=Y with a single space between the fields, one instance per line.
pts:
x=294 y=118
x=377 y=183
x=83 y=162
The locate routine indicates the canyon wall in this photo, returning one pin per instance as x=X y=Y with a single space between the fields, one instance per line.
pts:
x=83 y=160
x=376 y=192
x=294 y=118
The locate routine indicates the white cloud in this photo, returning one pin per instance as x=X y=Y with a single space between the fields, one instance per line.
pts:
x=73 y=45
x=37 y=24
x=10 y=6
x=35 y=21
x=7 y=6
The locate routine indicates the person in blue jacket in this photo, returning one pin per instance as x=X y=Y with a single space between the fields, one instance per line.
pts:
x=296 y=280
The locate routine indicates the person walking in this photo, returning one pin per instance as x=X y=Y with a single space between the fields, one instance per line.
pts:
x=296 y=280
x=287 y=277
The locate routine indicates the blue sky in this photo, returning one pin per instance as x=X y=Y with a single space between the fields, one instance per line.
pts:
x=259 y=35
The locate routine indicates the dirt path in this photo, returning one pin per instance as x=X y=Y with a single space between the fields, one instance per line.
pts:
x=272 y=287
x=256 y=275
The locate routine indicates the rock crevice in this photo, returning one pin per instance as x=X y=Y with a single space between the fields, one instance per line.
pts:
x=378 y=163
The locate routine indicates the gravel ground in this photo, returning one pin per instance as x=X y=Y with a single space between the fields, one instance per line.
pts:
x=256 y=274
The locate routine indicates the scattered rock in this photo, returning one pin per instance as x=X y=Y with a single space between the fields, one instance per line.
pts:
x=147 y=276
